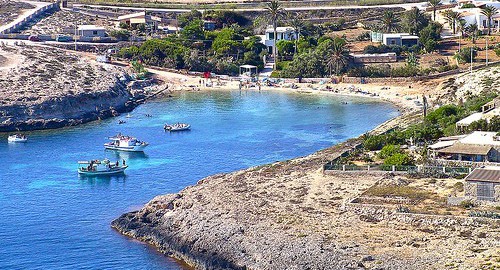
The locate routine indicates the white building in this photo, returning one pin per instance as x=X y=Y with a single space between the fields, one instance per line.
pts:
x=399 y=39
x=479 y=146
x=282 y=33
x=91 y=31
x=488 y=111
x=474 y=16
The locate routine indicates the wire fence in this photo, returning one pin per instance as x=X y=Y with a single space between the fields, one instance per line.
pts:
x=399 y=168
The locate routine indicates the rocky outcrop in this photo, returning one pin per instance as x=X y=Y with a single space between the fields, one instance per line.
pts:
x=44 y=88
x=289 y=215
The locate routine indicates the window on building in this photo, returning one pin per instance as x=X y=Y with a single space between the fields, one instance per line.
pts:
x=393 y=42
x=485 y=191
x=95 y=33
x=271 y=36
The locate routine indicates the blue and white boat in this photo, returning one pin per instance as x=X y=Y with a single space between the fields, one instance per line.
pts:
x=98 y=167
x=17 y=138
x=125 y=143
x=177 y=127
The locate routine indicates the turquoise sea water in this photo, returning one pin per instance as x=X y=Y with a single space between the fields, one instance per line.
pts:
x=53 y=219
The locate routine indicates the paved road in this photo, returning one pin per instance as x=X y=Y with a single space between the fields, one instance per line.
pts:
x=38 y=5
x=420 y=5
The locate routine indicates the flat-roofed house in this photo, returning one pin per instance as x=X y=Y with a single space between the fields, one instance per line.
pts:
x=135 y=19
x=91 y=31
x=483 y=184
x=399 y=39
x=479 y=146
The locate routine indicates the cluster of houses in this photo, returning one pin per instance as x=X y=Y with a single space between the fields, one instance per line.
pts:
x=479 y=149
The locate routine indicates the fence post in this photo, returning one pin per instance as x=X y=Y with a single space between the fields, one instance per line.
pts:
x=444 y=169
x=393 y=168
x=368 y=167
x=343 y=167
x=470 y=170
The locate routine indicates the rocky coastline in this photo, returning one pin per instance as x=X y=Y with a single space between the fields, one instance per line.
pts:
x=46 y=88
x=289 y=215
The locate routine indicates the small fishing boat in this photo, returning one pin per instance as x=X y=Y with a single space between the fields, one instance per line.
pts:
x=121 y=122
x=128 y=115
x=98 y=167
x=177 y=127
x=17 y=138
x=125 y=143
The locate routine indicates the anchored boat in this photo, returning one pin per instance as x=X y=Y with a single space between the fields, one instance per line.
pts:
x=17 y=138
x=177 y=127
x=98 y=167
x=125 y=143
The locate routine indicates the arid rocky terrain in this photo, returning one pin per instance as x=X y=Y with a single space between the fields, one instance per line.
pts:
x=42 y=87
x=289 y=215
x=10 y=10
x=63 y=22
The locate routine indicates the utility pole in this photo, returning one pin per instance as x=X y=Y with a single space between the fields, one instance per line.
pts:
x=76 y=33
x=487 y=37
x=471 y=53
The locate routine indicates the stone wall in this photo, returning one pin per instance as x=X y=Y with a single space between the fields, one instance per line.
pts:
x=470 y=189
x=378 y=213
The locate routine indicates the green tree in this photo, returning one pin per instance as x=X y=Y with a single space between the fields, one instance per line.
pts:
x=286 y=47
x=453 y=19
x=430 y=35
x=297 y=23
x=415 y=20
x=473 y=31
x=275 y=12
x=489 y=12
x=434 y=4
x=189 y=17
x=228 y=42
x=389 y=21
x=399 y=160
x=120 y=34
x=412 y=60
x=339 y=54
x=464 y=55
x=192 y=32
x=389 y=150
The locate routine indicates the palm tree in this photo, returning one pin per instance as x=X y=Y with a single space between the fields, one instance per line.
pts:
x=339 y=55
x=275 y=14
x=473 y=31
x=389 y=21
x=453 y=18
x=489 y=12
x=297 y=23
x=414 y=20
x=434 y=4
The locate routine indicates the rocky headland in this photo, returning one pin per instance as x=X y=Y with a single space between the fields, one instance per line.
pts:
x=290 y=215
x=43 y=87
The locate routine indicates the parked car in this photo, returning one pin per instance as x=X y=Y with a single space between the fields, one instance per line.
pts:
x=33 y=38
x=63 y=39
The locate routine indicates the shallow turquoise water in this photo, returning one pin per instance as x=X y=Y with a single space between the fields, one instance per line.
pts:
x=54 y=219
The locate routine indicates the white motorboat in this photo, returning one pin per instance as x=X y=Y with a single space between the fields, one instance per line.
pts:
x=125 y=143
x=17 y=138
x=177 y=127
x=98 y=167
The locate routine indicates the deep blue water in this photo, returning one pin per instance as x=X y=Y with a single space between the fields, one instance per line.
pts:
x=53 y=219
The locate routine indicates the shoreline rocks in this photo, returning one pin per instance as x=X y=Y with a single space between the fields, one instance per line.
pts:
x=46 y=88
x=289 y=215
